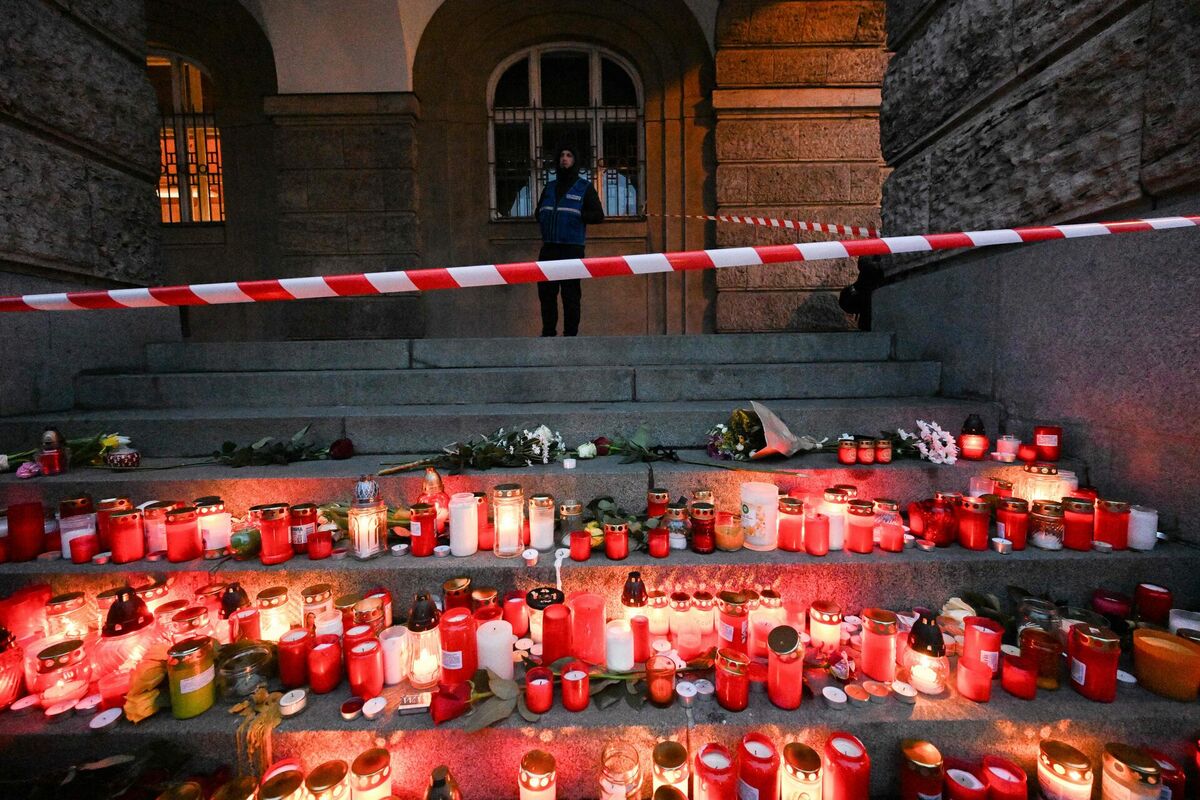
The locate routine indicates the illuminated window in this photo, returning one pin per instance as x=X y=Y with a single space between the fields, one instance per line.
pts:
x=190 y=187
x=553 y=95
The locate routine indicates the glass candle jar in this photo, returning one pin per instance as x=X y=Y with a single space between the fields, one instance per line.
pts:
x=974 y=517
x=801 y=775
x=845 y=769
x=104 y=510
x=69 y=616
x=1047 y=528
x=715 y=776
x=656 y=502
x=879 y=632
x=1112 y=523
x=1078 y=522
x=1012 y=521
x=1043 y=650
x=422 y=529
x=324 y=664
x=889 y=528
x=371 y=775
x=703 y=528
x=660 y=680
x=424 y=645
x=924 y=662
x=921 y=770
x=860 y=526
x=57 y=666
x=183 y=535
x=274 y=612
x=464 y=525
x=189 y=623
x=620 y=772
x=825 y=624
x=1063 y=773
x=508 y=510
x=671 y=766
x=366 y=520
x=678 y=525
x=570 y=518
x=785 y=667
x=241 y=671
x=616 y=540
x=1048 y=441
x=866 y=451
x=1130 y=773
x=730 y=535
x=575 y=687
x=733 y=679
x=791 y=524
x=537 y=778
x=539 y=689
x=658 y=542
x=316 y=600
x=758 y=767
x=733 y=623
x=833 y=506
x=127 y=537
x=1093 y=656
x=541 y=522
x=760 y=515
x=1039 y=482
x=272 y=521
x=329 y=781
x=191 y=675
x=364 y=669
x=847 y=452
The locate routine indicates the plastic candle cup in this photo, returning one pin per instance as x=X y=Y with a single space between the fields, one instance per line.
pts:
x=733 y=626
x=516 y=613
x=860 y=526
x=293 y=657
x=541 y=522
x=324 y=664
x=364 y=669
x=785 y=668
x=715 y=776
x=1143 y=528
x=733 y=679
x=833 y=506
x=616 y=540
x=536 y=778
x=880 y=629
x=816 y=535
x=847 y=452
x=1005 y=780
x=1093 y=654
x=464 y=525
x=982 y=641
x=670 y=766
x=587 y=627
x=825 y=624
x=581 y=545
x=1048 y=441
x=921 y=770
x=791 y=525
x=962 y=783
x=846 y=768
x=618 y=637
x=974 y=679
x=539 y=689
x=760 y=510
x=974 y=517
x=575 y=687
x=800 y=778
x=556 y=633
x=758 y=766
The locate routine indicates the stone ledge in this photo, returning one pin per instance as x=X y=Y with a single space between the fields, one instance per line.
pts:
x=346 y=108
x=794 y=99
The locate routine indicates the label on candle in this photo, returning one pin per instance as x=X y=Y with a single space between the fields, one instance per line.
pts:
x=299 y=533
x=991 y=658
x=452 y=659
x=195 y=682
x=1078 y=671
x=414 y=529
x=746 y=791
x=1000 y=530
x=1046 y=440
x=726 y=631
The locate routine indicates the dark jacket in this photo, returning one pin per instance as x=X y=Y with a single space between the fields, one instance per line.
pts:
x=592 y=213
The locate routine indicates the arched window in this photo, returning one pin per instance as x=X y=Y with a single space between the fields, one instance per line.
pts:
x=551 y=95
x=189 y=183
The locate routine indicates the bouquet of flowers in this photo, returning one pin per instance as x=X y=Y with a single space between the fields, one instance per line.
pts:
x=757 y=433
x=516 y=448
x=85 y=451
x=930 y=442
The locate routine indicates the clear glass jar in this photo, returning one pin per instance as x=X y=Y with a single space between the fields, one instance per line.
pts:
x=679 y=527
x=508 y=510
x=69 y=616
x=541 y=522
x=1047 y=526
x=889 y=528
x=730 y=535
x=1039 y=482
x=833 y=506
x=620 y=772
x=570 y=518
x=274 y=612
x=366 y=521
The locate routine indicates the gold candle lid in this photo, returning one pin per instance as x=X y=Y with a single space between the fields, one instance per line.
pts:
x=800 y=759
x=1122 y=758
x=670 y=755
x=326 y=776
x=922 y=756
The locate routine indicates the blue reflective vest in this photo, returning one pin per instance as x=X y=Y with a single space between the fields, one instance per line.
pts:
x=562 y=220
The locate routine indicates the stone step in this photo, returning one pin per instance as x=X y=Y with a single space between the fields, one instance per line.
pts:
x=177 y=433
x=485 y=762
x=459 y=386
x=271 y=356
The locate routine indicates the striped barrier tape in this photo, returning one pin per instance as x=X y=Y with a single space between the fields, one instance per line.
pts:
x=422 y=280
x=772 y=222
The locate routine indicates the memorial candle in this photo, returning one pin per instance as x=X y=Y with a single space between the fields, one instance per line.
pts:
x=494 y=642
x=640 y=626
x=324 y=665
x=1019 y=677
x=537 y=779
x=395 y=652
x=981 y=641
x=508 y=506
x=660 y=680
x=516 y=613
x=1063 y=772
x=760 y=511
x=846 y=769
x=825 y=624
x=833 y=506
x=715 y=777
x=464 y=524
x=539 y=689
x=364 y=669
x=422 y=528
x=618 y=639
x=1143 y=528
x=921 y=770
x=791 y=525
x=800 y=778
x=670 y=766
x=293 y=658
x=656 y=502
x=880 y=628
x=556 y=633
x=541 y=522
x=587 y=627
x=758 y=767
x=575 y=686
x=733 y=625
x=816 y=535
x=974 y=679
x=860 y=526
x=1048 y=441
x=1112 y=523
x=785 y=667
x=1005 y=779
x=963 y=784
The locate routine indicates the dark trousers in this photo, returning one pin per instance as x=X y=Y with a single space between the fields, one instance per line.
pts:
x=548 y=295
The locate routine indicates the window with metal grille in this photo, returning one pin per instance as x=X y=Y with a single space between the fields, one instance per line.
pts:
x=551 y=96
x=190 y=187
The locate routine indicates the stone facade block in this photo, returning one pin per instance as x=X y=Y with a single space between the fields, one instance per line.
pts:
x=906 y=197
x=1171 y=129
x=302 y=234
x=305 y=147
x=964 y=50
x=344 y=189
x=745 y=312
x=54 y=72
x=386 y=146
x=400 y=190
x=123 y=20
x=755 y=184
x=791 y=275
x=1039 y=25
x=902 y=15
x=381 y=233
x=805 y=139
x=800 y=22
x=809 y=66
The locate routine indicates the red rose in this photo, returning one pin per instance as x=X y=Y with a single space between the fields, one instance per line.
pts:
x=341 y=450
x=602 y=444
x=450 y=702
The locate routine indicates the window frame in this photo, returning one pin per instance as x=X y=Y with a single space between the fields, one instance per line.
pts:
x=180 y=127
x=535 y=115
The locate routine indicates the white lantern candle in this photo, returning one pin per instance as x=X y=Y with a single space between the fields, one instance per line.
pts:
x=1063 y=772
x=509 y=513
x=328 y=622
x=541 y=522
x=760 y=515
x=833 y=506
x=464 y=524
x=618 y=639
x=537 y=779
x=825 y=624
x=1143 y=528
x=395 y=654
x=494 y=640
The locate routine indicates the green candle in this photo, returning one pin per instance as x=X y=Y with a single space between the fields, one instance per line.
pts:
x=191 y=673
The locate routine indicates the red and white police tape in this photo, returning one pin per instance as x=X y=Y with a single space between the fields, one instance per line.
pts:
x=772 y=222
x=421 y=280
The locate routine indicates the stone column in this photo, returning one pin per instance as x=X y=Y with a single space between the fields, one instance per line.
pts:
x=797 y=136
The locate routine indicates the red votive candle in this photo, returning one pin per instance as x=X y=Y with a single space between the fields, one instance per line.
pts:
x=1112 y=523
x=758 y=767
x=974 y=517
x=1092 y=655
x=1005 y=779
x=516 y=613
x=364 y=668
x=320 y=544
x=460 y=654
x=982 y=641
x=847 y=452
x=581 y=545
x=733 y=679
x=962 y=782
x=83 y=548
x=715 y=775
x=973 y=446
x=974 y=679
x=293 y=657
x=539 y=689
x=1012 y=521
x=1078 y=523
x=1173 y=778
x=656 y=502
x=1154 y=602
x=422 y=530
x=846 y=768
x=1111 y=604
x=1048 y=441
x=616 y=540
x=1027 y=453
x=575 y=684
x=26 y=527
x=126 y=536
x=556 y=633
x=245 y=625
x=641 y=638
x=658 y=542
x=325 y=665
x=488 y=613
x=816 y=535
x=355 y=635
x=1019 y=677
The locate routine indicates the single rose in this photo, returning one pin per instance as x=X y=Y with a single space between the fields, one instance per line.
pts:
x=341 y=450
x=586 y=450
x=450 y=702
x=29 y=469
x=602 y=443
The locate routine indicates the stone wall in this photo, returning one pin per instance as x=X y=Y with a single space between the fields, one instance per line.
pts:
x=797 y=136
x=1009 y=113
x=78 y=169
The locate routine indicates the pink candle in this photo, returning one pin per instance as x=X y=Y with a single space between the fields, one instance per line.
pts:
x=516 y=613
x=982 y=641
x=1005 y=779
x=1019 y=677
x=974 y=679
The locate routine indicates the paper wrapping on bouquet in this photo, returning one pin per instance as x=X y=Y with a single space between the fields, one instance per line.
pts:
x=421 y=280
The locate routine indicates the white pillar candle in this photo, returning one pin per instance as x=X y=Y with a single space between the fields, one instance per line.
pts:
x=464 y=524
x=328 y=622
x=1143 y=528
x=494 y=639
x=395 y=654
x=541 y=522
x=618 y=640
x=760 y=515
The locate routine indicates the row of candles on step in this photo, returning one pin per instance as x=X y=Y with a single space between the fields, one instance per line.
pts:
x=1045 y=508
x=757 y=768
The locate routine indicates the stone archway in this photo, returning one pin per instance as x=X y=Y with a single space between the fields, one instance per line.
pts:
x=797 y=135
x=462 y=44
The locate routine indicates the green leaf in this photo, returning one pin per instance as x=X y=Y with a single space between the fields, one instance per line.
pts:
x=482 y=681
x=299 y=435
x=608 y=696
x=599 y=686
x=558 y=666
x=489 y=712
x=504 y=688
x=635 y=699
x=524 y=711
x=631 y=686
x=261 y=443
